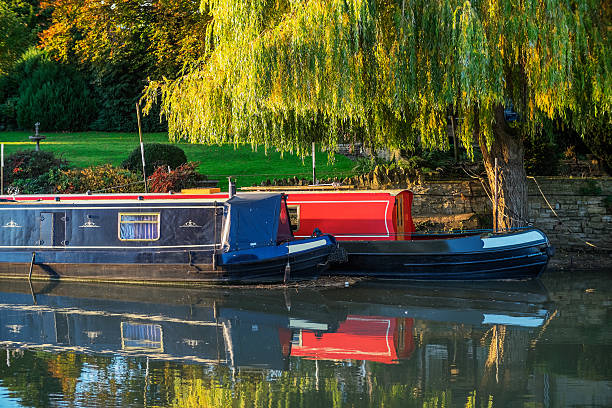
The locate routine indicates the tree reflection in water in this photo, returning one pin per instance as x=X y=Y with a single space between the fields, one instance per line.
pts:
x=370 y=346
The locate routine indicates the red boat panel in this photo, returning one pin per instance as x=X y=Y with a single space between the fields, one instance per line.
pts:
x=372 y=338
x=351 y=216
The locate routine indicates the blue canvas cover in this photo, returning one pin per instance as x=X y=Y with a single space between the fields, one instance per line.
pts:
x=251 y=221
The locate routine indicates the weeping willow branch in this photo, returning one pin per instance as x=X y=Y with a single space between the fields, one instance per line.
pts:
x=286 y=73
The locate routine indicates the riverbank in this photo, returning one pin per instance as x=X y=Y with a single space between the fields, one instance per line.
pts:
x=580 y=260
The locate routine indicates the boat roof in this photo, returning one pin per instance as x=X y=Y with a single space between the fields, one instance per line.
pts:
x=186 y=197
x=114 y=198
x=253 y=220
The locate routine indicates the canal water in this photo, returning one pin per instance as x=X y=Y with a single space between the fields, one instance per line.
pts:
x=542 y=343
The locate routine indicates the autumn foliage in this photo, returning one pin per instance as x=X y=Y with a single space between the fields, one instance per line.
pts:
x=104 y=178
x=165 y=34
x=164 y=180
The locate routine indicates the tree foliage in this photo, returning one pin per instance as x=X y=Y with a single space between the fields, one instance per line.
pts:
x=53 y=94
x=120 y=44
x=285 y=73
x=14 y=37
x=20 y=23
x=157 y=36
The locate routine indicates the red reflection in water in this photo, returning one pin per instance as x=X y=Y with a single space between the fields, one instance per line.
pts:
x=373 y=338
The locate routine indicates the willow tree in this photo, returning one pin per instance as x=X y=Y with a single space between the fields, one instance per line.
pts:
x=289 y=72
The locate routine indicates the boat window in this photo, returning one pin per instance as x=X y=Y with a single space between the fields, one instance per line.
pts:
x=138 y=226
x=284 y=233
x=142 y=337
x=294 y=216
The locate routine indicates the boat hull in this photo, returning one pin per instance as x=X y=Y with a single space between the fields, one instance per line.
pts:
x=522 y=255
x=169 y=266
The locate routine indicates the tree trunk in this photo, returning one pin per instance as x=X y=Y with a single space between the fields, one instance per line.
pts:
x=512 y=181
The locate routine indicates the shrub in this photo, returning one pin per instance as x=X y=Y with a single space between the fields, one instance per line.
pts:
x=9 y=86
x=598 y=138
x=34 y=185
x=591 y=187
x=608 y=204
x=98 y=178
x=117 y=90
x=541 y=156
x=57 y=96
x=364 y=165
x=8 y=114
x=184 y=176
x=30 y=164
x=156 y=155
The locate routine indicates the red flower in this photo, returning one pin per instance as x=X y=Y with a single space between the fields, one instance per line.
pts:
x=16 y=170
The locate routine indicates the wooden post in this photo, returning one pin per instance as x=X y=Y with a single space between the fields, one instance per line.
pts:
x=214 y=257
x=495 y=200
x=144 y=174
x=287 y=272
x=314 y=171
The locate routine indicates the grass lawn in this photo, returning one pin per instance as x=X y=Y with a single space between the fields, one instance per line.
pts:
x=83 y=149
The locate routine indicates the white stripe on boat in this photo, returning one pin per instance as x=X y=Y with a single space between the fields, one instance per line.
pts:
x=510 y=240
x=306 y=324
x=523 y=321
x=293 y=248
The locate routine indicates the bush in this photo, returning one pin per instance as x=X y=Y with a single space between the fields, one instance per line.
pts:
x=156 y=154
x=163 y=181
x=364 y=165
x=43 y=184
x=117 y=92
x=96 y=179
x=29 y=164
x=9 y=86
x=8 y=114
x=598 y=138
x=55 y=95
x=541 y=156
x=30 y=172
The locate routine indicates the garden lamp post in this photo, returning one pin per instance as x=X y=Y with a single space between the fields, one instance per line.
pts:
x=36 y=137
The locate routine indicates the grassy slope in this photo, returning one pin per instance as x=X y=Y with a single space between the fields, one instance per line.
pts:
x=84 y=149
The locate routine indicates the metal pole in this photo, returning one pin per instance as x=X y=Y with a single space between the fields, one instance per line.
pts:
x=2 y=169
x=495 y=203
x=231 y=187
x=314 y=171
x=144 y=174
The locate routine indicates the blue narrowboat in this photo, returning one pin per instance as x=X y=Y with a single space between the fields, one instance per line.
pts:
x=151 y=238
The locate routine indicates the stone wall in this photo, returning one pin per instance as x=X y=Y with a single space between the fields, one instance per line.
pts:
x=583 y=209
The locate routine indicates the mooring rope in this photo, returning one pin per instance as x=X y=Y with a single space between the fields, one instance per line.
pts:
x=559 y=218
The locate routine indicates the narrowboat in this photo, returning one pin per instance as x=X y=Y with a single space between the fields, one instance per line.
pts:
x=376 y=230
x=163 y=237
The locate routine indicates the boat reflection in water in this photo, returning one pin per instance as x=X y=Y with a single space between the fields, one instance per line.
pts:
x=254 y=327
x=436 y=334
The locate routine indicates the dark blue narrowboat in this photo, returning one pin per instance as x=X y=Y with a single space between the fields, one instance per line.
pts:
x=157 y=238
x=522 y=254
